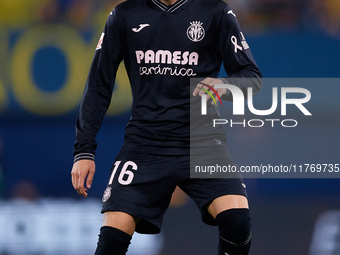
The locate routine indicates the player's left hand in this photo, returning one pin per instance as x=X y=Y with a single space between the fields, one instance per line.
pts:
x=205 y=84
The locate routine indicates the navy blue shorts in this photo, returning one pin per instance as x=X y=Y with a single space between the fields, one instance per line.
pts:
x=142 y=185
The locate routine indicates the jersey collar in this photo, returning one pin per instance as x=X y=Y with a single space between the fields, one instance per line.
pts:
x=171 y=8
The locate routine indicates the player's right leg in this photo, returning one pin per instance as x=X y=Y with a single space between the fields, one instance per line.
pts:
x=120 y=220
x=136 y=197
x=116 y=233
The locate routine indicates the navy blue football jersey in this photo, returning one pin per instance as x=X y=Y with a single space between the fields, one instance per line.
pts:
x=162 y=48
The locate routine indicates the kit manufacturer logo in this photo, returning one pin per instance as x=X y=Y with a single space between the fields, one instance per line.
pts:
x=141 y=26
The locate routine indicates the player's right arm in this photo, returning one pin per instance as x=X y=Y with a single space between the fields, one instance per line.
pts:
x=95 y=102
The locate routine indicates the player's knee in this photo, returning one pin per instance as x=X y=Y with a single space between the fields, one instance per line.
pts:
x=235 y=231
x=112 y=241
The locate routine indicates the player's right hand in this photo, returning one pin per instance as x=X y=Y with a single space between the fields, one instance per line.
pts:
x=82 y=169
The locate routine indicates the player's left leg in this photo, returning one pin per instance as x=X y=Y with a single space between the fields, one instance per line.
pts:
x=231 y=213
x=222 y=201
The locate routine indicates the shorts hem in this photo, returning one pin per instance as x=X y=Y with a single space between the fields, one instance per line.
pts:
x=207 y=218
x=145 y=226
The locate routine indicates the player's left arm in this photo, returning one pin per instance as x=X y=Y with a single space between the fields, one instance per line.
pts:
x=238 y=60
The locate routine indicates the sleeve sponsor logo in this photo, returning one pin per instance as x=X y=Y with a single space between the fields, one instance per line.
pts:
x=99 y=45
x=244 y=42
x=237 y=47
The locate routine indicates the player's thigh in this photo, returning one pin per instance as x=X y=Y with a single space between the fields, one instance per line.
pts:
x=227 y=202
x=120 y=220
x=216 y=193
x=140 y=185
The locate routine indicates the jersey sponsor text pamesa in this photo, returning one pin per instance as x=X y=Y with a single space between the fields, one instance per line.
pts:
x=167 y=57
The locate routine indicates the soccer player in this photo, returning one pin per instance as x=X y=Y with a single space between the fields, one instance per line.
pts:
x=164 y=43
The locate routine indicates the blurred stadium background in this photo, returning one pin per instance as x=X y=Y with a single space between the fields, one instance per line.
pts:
x=46 y=47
